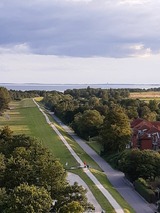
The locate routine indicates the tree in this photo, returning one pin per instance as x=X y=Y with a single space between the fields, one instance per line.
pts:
x=72 y=197
x=29 y=199
x=116 y=131
x=88 y=123
x=25 y=167
x=3 y=199
x=4 y=99
x=2 y=167
x=72 y=207
x=35 y=165
x=132 y=112
x=140 y=164
x=147 y=114
x=153 y=105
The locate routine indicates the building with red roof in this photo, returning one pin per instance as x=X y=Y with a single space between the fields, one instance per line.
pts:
x=145 y=134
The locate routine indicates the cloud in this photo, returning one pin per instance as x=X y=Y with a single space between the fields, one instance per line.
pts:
x=139 y=50
x=80 y=28
x=134 y=2
x=15 y=49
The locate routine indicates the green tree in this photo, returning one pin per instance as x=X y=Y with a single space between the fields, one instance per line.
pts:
x=28 y=161
x=4 y=99
x=29 y=199
x=147 y=114
x=72 y=207
x=132 y=112
x=26 y=166
x=87 y=124
x=3 y=199
x=116 y=131
x=140 y=164
x=73 y=197
x=153 y=105
x=2 y=167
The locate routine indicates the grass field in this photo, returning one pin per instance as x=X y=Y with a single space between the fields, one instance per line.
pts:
x=150 y=95
x=25 y=117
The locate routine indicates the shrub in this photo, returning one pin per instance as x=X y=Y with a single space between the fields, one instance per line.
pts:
x=145 y=192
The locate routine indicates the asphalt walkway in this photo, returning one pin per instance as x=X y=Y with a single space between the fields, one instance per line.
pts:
x=72 y=178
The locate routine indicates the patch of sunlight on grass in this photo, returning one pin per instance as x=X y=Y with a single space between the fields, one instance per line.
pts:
x=38 y=99
x=13 y=112
x=21 y=129
x=126 y=211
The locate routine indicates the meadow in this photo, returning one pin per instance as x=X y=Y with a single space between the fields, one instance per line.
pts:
x=24 y=117
x=145 y=95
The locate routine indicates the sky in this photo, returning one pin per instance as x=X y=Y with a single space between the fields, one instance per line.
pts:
x=80 y=41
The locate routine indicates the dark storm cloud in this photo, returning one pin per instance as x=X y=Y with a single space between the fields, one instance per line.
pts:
x=108 y=28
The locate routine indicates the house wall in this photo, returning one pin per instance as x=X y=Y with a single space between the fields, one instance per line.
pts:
x=146 y=144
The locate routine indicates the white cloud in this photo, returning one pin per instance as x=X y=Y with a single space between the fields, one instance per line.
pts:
x=139 y=50
x=134 y=2
x=15 y=49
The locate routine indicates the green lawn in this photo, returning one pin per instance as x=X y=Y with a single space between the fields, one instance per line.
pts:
x=95 y=145
x=25 y=117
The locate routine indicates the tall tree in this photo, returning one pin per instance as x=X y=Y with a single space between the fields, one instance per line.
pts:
x=136 y=163
x=72 y=198
x=4 y=98
x=29 y=199
x=26 y=166
x=88 y=123
x=2 y=167
x=3 y=199
x=116 y=131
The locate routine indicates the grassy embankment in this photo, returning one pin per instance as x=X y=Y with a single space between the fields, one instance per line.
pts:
x=24 y=117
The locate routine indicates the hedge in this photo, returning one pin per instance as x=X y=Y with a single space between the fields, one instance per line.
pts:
x=147 y=194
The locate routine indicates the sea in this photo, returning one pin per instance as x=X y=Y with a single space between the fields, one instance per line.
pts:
x=63 y=87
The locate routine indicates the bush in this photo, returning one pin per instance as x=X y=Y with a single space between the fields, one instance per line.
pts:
x=144 y=191
x=143 y=182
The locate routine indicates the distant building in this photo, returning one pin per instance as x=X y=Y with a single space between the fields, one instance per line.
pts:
x=145 y=134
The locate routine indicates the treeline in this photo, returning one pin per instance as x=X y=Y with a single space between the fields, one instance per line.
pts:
x=19 y=95
x=32 y=180
x=7 y=95
x=144 y=90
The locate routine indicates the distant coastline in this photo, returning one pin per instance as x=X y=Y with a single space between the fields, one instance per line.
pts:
x=63 y=87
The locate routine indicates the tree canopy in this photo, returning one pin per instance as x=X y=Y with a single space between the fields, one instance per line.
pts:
x=31 y=178
x=4 y=98
x=116 y=131
x=29 y=199
x=140 y=164
x=87 y=124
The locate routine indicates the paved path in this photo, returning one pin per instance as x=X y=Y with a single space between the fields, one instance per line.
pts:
x=116 y=178
x=75 y=178
x=108 y=196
